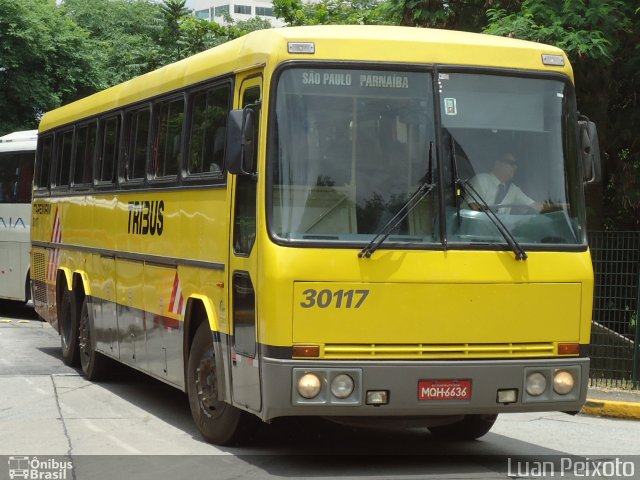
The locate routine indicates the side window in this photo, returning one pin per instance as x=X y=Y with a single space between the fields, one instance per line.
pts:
x=84 y=154
x=45 y=150
x=209 y=113
x=24 y=177
x=167 y=147
x=109 y=149
x=64 y=143
x=244 y=232
x=137 y=145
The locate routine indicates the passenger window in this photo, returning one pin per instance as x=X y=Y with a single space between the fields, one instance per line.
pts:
x=138 y=124
x=44 y=161
x=110 y=135
x=64 y=143
x=167 y=155
x=208 y=131
x=84 y=154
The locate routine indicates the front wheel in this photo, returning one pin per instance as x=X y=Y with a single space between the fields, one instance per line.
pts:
x=217 y=421
x=469 y=428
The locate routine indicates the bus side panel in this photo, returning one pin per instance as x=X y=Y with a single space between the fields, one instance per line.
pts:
x=163 y=322
x=130 y=313
x=14 y=250
x=104 y=306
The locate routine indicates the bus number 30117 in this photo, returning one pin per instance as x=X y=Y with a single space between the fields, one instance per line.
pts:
x=336 y=299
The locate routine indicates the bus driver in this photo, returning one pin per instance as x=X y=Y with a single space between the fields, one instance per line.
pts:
x=496 y=187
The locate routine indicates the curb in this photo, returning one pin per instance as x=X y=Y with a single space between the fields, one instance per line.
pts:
x=610 y=408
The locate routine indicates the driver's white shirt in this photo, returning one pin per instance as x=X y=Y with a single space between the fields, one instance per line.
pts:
x=486 y=184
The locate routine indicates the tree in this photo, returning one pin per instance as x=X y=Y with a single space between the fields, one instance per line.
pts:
x=45 y=60
x=337 y=12
x=173 y=13
x=125 y=35
x=600 y=38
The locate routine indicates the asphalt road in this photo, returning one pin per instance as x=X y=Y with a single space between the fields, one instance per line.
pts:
x=132 y=426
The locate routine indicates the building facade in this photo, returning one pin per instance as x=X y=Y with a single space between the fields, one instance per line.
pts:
x=238 y=10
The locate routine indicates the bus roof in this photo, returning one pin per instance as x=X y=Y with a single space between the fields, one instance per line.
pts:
x=19 y=141
x=364 y=43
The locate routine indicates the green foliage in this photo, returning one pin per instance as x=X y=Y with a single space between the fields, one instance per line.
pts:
x=45 y=60
x=172 y=13
x=601 y=39
x=581 y=30
x=240 y=28
x=124 y=34
x=465 y=15
x=336 y=12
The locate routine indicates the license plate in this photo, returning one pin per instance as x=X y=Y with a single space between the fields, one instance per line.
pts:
x=444 y=389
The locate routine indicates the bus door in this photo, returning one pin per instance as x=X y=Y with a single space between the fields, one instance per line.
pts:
x=245 y=367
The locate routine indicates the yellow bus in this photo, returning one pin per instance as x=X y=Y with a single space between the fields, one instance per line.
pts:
x=290 y=224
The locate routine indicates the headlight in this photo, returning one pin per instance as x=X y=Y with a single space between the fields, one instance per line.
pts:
x=342 y=386
x=309 y=385
x=536 y=384
x=562 y=382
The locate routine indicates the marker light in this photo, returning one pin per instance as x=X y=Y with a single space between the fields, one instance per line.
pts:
x=377 y=397
x=342 y=386
x=562 y=382
x=536 y=384
x=302 y=47
x=507 y=396
x=306 y=351
x=555 y=60
x=568 y=348
x=309 y=385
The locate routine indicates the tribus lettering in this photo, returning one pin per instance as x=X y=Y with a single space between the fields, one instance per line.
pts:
x=146 y=217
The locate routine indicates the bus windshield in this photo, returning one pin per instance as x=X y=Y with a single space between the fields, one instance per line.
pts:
x=510 y=142
x=351 y=146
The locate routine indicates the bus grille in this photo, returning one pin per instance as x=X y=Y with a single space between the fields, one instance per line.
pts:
x=452 y=351
x=39 y=275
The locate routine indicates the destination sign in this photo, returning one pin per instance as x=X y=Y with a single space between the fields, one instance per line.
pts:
x=363 y=79
x=356 y=82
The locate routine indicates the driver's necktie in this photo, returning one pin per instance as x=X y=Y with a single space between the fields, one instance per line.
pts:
x=502 y=192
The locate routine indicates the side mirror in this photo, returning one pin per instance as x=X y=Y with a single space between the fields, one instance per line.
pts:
x=240 y=158
x=589 y=151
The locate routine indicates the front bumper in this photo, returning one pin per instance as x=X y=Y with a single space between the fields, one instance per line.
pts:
x=400 y=379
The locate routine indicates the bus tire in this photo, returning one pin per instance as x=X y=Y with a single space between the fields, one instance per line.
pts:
x=469 y=428
x=93 y=363
x=68 y=318
x=218 y=422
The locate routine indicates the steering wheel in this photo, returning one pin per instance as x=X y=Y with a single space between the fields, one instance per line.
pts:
x=515 y=208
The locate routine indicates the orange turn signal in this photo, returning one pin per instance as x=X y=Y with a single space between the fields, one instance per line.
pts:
x=568 y=348
x=306 y=351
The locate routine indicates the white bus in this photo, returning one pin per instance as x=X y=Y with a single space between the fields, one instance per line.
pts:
x=17 y=154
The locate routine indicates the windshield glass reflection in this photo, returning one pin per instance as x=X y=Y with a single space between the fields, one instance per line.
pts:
x=351 y=148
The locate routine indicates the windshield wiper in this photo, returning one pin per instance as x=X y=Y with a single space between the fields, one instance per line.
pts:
x=426 y=186
x=502 y=228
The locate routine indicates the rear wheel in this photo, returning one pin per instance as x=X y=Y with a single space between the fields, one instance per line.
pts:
x=217 y=421
x=68 y=319
x=93 y=363
x=469 y=428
